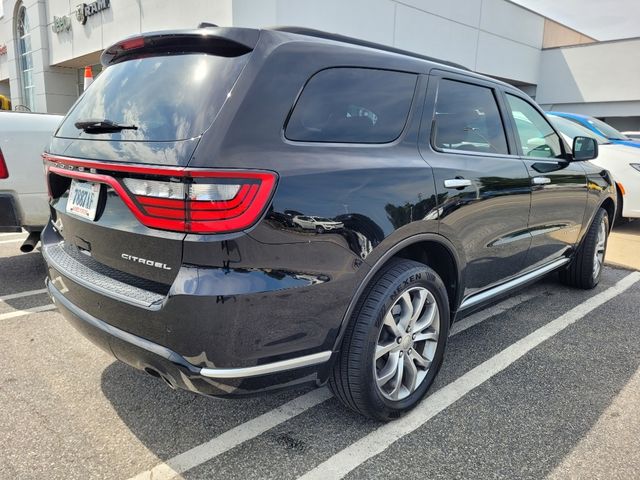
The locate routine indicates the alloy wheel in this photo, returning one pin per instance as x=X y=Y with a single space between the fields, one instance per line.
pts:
x=598 y=256
x=407 y=343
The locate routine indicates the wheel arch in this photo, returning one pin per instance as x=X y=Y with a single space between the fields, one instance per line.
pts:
x=620 y=202
x=416 y=247
x=610 y=207
x=431 y=249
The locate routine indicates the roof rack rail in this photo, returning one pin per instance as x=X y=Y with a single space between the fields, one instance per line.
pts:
x=310 y=32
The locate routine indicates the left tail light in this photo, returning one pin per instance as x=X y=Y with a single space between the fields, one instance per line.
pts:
x=4 y=171
x=187 y=200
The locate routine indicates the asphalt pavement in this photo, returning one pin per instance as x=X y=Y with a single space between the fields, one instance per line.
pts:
x=543 y=384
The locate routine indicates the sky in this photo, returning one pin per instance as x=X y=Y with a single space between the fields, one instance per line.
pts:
x=600 y=19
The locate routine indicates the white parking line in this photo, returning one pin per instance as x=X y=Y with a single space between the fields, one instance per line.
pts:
x=20 y=313
x=379 y=440
x=27 y=293
x=234 y=437
x=251 y=429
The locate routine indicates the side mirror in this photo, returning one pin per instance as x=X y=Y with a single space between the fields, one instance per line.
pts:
x=584 y=148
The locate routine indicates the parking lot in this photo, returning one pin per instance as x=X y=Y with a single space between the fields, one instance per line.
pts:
x=543 y=384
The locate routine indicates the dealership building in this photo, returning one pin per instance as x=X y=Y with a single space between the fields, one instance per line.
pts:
x=45 y=44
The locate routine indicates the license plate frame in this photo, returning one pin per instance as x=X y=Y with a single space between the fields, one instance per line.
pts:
x=83 y=199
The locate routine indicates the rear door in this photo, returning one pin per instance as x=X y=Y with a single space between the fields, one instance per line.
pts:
x=559 y=188
x=483 y=187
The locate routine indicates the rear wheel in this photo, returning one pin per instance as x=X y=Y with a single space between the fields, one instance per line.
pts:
x=394 y=345
x=586 y=267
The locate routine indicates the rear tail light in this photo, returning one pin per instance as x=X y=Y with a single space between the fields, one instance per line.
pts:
x=4 y=171
x=180 y=199
x=155 y=188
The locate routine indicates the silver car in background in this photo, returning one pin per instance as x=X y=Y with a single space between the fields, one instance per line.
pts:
x=23 y=191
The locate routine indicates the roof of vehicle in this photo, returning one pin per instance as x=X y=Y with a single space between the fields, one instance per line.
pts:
x=310 y=32
x=245 y=39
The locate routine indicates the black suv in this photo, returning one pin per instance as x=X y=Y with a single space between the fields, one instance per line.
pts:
x=233 y=210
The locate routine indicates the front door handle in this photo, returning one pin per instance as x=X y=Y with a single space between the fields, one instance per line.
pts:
x=457 y=183
x=541 y=180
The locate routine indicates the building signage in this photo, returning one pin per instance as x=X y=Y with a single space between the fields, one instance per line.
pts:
x=61 y=24
x=86 y=10
x=3 y=49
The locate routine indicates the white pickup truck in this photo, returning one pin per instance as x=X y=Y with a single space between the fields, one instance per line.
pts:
x=23 y=191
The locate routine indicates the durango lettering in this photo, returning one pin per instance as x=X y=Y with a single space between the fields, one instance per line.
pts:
x=144 y=261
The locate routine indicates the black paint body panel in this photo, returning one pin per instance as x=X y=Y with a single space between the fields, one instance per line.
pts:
x=280 y=291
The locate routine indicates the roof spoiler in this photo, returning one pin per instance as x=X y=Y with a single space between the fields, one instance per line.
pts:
x=310 y=32
x=221 y=41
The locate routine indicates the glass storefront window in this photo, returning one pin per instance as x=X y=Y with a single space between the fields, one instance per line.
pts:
x=23 y=32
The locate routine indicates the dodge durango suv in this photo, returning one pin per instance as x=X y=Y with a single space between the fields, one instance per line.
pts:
x=305 y=207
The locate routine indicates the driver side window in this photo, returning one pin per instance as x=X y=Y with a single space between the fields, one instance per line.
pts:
x=536 y=136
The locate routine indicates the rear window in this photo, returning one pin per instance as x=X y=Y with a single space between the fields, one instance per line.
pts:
x=168 y=98
x=468 y=120
x=352 y=105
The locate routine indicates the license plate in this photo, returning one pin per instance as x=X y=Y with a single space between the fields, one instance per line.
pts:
x=83 y=199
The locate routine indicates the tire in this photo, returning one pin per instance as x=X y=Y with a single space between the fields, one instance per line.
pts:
x=320 y=229
x=355 y=374
x=583 y=271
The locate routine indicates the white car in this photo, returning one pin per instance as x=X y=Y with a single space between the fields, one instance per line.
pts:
x=318 y=224
x=23 y=191
x=621 y=160
x=632 y=135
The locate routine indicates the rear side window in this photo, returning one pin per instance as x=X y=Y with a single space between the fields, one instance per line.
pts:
x=536 y=136
x=352 y=105
x=168 y=98
x=468 y=119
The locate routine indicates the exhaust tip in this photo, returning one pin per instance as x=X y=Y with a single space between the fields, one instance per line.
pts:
x=154 y=373
x=30 y=242
x=168 y=382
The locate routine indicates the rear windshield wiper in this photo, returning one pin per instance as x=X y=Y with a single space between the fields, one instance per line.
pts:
x=102 y=126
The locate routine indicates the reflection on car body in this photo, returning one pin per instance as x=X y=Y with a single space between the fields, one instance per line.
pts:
x=319 y=224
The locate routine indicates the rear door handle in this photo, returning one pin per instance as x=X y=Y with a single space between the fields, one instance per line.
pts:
x=541 y=180
x=457 y=183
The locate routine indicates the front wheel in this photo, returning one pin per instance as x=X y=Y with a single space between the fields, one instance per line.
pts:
x=395 y=342
x=585 y=269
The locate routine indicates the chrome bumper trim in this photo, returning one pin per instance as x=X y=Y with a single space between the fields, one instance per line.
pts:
x=177 y=359
x=267 y=368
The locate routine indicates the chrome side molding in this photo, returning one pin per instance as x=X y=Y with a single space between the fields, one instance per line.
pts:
x=290 y=364
x=478 y=298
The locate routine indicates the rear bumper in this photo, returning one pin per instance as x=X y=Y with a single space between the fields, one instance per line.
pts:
x=175 y=369
x=9 y=217
x=23 y=210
